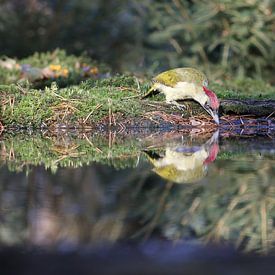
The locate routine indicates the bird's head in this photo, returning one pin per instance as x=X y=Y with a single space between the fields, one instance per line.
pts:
x=211 y=104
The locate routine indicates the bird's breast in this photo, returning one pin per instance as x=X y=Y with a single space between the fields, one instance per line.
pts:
x=182 y=161
x=182 y=90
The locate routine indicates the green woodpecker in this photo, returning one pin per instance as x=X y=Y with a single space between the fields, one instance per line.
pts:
x=186 y=83
x=181 y=163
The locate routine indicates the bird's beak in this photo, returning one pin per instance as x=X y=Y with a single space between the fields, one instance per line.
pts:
x=212 y=112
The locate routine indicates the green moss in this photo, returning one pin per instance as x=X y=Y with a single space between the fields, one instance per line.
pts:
x=244 y=89
x=26 y=109
x=93 y=100
x=67 y=100
x=77 y=67
x=116 y=81
x=32 y=107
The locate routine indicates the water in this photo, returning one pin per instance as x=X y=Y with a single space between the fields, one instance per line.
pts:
x=67 y=190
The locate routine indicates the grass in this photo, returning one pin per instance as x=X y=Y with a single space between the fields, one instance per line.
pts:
x=244 y=89
x=32 y=107
x=77 y=68
x=81 y=91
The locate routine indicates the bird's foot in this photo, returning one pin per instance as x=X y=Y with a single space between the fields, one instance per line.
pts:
x=177 y=106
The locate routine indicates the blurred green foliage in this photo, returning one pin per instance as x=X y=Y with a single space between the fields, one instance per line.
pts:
x=77 y=68
x=100 y=28
x=224 y=38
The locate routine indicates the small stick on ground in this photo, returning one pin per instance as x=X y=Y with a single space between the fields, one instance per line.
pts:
x=270 y=115
x=96 y=108
x=110 y=111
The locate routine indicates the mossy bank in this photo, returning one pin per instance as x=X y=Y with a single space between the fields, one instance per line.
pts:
x=56 y=90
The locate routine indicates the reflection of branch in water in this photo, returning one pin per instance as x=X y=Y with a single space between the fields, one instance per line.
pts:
x=148 y=229
x=160 y=208
x=142 y=177
x=264 y=226
x=89 y=141
x=112 y=138
x=239 y=210
x=216 y=233
x=194 y=205
x=250 y=209
x=68 y=154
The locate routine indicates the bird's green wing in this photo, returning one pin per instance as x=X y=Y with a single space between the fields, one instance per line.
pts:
x=172 y=77
x=168 y=78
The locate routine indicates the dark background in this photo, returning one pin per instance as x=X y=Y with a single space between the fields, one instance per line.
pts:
x=232 y=38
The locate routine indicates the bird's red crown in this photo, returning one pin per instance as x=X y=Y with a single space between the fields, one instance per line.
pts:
x=214 y=102
x=214 y=150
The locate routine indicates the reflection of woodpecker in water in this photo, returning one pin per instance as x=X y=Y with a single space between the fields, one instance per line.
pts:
x=184 y=163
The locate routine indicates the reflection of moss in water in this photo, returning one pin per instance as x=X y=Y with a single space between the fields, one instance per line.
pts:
x=21 y=151
x=243 y=155
x=239 y=209
x=233 y=203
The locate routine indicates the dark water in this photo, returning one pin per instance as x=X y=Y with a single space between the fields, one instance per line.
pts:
x=181 y=189
x=66 y=192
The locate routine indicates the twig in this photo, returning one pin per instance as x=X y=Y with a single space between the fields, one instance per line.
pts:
x=161 y=206
x=270 y=115
x=241 y=121
x=96 y=108
x=96 y=148
x=128 y=97
x=110 y=111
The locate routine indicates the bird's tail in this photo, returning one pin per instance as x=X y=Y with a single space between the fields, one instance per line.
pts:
x=152 y=91
x=152 y=155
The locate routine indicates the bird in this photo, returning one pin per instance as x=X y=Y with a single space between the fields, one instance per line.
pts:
x=184 y=163
x=186 y=83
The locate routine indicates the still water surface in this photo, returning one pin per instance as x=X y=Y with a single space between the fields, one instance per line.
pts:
x=69 y=191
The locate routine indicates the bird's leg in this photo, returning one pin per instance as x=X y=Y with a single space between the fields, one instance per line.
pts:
x=176 y=105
